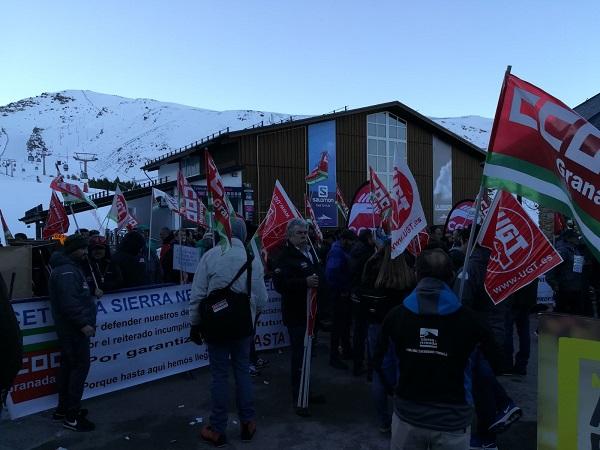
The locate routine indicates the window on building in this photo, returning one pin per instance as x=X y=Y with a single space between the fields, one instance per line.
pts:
x=386 y=133
x=191 y=166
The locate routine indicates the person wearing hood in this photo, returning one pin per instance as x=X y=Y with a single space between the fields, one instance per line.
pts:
x=74 y=313
x=106 y=274
x=433 y=336
x=131 y=260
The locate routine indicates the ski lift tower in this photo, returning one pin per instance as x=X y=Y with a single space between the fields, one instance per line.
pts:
x=85 y=158
x=9 y=164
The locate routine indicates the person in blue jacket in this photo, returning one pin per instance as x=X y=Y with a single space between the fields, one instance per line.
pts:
x=339 y=278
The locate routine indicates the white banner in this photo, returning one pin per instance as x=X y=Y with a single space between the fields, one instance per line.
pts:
x=141 y=336
x=185 y=258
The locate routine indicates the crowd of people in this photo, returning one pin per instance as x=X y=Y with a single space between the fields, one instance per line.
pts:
x=431 y=357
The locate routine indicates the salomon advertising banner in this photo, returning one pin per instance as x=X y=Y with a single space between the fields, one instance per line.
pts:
x=141 y=335
x=569 y=383
x=321 y=179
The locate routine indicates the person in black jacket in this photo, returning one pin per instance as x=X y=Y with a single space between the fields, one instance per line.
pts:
x=362 y=249
x=107 y=275
x=385 y=284
x=11 y=343
x=74 y=313
x=296 y=269
x=496 y=411
x=568 y=278
x=131 y=259
x=434 y=337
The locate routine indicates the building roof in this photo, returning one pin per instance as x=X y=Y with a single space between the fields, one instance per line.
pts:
x=176 y=155
x=590 y=108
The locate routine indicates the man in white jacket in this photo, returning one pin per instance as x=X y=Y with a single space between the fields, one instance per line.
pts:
x=215 y=271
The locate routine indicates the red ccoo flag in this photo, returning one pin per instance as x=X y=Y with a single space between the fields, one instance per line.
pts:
x=57 y=221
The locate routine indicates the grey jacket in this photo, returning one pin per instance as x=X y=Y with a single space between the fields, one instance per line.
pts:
x=73 y=305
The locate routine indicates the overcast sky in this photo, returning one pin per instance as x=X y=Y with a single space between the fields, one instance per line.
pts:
x=442 y=58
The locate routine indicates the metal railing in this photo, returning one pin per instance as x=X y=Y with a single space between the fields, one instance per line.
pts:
x=150 y=183
x=204 y=140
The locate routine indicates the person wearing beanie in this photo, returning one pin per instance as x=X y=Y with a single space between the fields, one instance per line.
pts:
x=74 y=313
x=216 y=270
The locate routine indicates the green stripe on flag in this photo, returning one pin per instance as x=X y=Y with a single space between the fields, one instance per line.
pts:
x=552 y=203
x=530 y=169
x=40 y=346
x=41 y=330
x=535 y=186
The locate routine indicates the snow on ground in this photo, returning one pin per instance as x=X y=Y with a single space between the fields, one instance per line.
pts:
x=21 y=195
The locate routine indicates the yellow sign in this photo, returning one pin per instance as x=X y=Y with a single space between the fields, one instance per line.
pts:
x=59 y=237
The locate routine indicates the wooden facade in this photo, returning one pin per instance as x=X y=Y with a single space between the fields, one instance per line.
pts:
x=279 y=151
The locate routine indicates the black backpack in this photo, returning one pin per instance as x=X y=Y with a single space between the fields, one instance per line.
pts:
x=226 y=315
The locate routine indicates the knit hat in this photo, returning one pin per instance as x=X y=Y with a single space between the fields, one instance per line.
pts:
x=75 y=242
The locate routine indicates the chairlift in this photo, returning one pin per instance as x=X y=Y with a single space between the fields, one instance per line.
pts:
x=65 y=167
x=39 y=160
x=30 y=158
x=84 y=176
x=37 y=168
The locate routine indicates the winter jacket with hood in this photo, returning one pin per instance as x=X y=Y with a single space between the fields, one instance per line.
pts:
x=73 y=305
x=433 y=336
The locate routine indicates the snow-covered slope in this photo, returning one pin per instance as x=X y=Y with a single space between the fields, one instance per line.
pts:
x=122 y=132
x=475 y=129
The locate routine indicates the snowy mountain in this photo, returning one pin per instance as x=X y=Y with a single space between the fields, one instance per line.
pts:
x=475 y=129
x=122 y=134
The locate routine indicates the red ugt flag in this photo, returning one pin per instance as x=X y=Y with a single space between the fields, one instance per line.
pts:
x=520 y=251
x=380 y=197
x=192 y=207
x=272 y=230
x=58 y=220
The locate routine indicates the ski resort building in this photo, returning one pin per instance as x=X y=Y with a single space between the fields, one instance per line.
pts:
x=447 y=167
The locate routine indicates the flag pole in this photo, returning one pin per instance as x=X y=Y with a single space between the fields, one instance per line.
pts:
x=74 y=217
x=150 y=227
x=481 y=189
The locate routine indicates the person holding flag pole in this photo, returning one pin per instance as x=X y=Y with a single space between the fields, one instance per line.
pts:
x=299 y=278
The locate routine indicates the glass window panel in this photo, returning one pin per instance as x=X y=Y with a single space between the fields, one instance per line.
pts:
x=382 y=164
x=393 y=132
x=372 y=129
x=372 y=118
x=381 y=131
x=402 y=149
x=392 y=147
x=372 y=160
x=372 y=147
x=381 y=148
x=392 y=121
x=381 y=118
x=402 y=132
